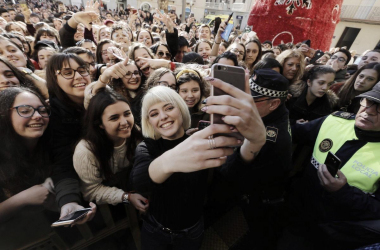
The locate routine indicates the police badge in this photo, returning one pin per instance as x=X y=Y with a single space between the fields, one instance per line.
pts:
x=325 y=145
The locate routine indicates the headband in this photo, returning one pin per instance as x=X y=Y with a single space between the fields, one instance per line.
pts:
x=184 y=71
x=266 y=92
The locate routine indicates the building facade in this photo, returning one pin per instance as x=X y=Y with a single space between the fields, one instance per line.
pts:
x=359 y=26
x=240 y=8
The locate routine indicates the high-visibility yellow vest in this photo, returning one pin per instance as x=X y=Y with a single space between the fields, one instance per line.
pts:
x=362 y=170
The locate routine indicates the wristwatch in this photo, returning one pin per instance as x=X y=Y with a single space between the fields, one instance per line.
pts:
x=27 y=71
x=126 y=198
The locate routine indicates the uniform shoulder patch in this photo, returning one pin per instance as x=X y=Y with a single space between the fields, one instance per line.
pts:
x=272 y=133
x=344 y=115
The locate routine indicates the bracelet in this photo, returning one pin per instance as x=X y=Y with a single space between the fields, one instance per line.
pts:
x=172 y=66
x=75 y=19
x=217 y=43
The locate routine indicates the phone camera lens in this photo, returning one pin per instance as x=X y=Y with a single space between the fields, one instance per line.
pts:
x=219 y=67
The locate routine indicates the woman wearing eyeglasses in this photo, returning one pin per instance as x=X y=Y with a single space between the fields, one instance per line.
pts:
x=125 y=78
x=363 y=80
x=25 y=187
x=24 y=117
x=238 y=49
x=162 y=76
x=66 y=79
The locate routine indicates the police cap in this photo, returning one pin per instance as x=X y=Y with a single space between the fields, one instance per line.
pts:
x=270 y=83
x=373 y=94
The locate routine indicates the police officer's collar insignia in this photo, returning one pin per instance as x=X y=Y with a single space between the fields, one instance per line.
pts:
x=344 y=115
x=272 y=133
x=325 y=145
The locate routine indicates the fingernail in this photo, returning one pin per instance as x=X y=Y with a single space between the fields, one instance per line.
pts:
x=239 y=141
x=223 y=117
x=204 y=101
x=204 y=109
x=232 y=128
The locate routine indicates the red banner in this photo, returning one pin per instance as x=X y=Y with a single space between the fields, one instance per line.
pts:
x=296 y=21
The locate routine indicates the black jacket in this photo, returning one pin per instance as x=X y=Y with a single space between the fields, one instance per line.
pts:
x=66 y=34
x=64 y=130
x=272 y=165
x=299 y=109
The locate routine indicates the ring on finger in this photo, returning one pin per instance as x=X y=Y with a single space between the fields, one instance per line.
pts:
x=211 y=143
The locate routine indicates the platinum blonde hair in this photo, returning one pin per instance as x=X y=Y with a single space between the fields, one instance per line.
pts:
x=156 y=95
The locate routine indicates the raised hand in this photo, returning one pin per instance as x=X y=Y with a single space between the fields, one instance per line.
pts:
x=165 y=19
x=87 y=17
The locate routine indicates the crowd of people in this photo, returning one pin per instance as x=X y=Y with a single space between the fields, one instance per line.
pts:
x=103 y=107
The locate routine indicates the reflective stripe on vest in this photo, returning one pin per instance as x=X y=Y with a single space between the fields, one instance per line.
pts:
x=362 y=170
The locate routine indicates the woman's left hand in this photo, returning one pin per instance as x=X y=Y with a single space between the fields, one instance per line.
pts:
x=139 y=202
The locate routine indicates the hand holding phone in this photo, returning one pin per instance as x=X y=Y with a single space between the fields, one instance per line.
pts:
x=71 y=218
x=332 y=163
x=232 y=75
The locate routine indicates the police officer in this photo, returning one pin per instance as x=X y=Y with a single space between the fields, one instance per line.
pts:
x=262 y=184
x=342 y=211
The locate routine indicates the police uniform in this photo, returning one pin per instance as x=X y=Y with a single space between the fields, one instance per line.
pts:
x=262 y=185
x=319 y=214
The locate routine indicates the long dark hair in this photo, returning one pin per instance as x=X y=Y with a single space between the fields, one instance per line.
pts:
x=19 y=168
x=52 y=82
x=347 y=92
x=24 y=82
x=100 y=145
x=260 y=53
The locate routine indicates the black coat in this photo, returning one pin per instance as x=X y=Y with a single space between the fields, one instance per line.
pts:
x=272 y=165
x=64 y=129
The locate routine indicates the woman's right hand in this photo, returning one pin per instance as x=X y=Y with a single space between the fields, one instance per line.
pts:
x=36 y=195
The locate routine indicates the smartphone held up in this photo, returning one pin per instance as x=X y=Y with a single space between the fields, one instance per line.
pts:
x=232 y=75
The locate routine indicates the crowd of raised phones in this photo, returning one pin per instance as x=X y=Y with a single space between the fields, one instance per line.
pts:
x=103 y=107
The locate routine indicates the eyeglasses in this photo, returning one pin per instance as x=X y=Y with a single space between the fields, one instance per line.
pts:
x=165 y=83
x=28 y=111
x=340 y=59
x=70 y=73
x=167 y=54
x=364 y=102
x=236 y=51
x=129 y=74
x=81 y=42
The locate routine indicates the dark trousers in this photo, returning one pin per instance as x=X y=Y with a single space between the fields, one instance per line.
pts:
x=265 y=222
x=155 y=236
